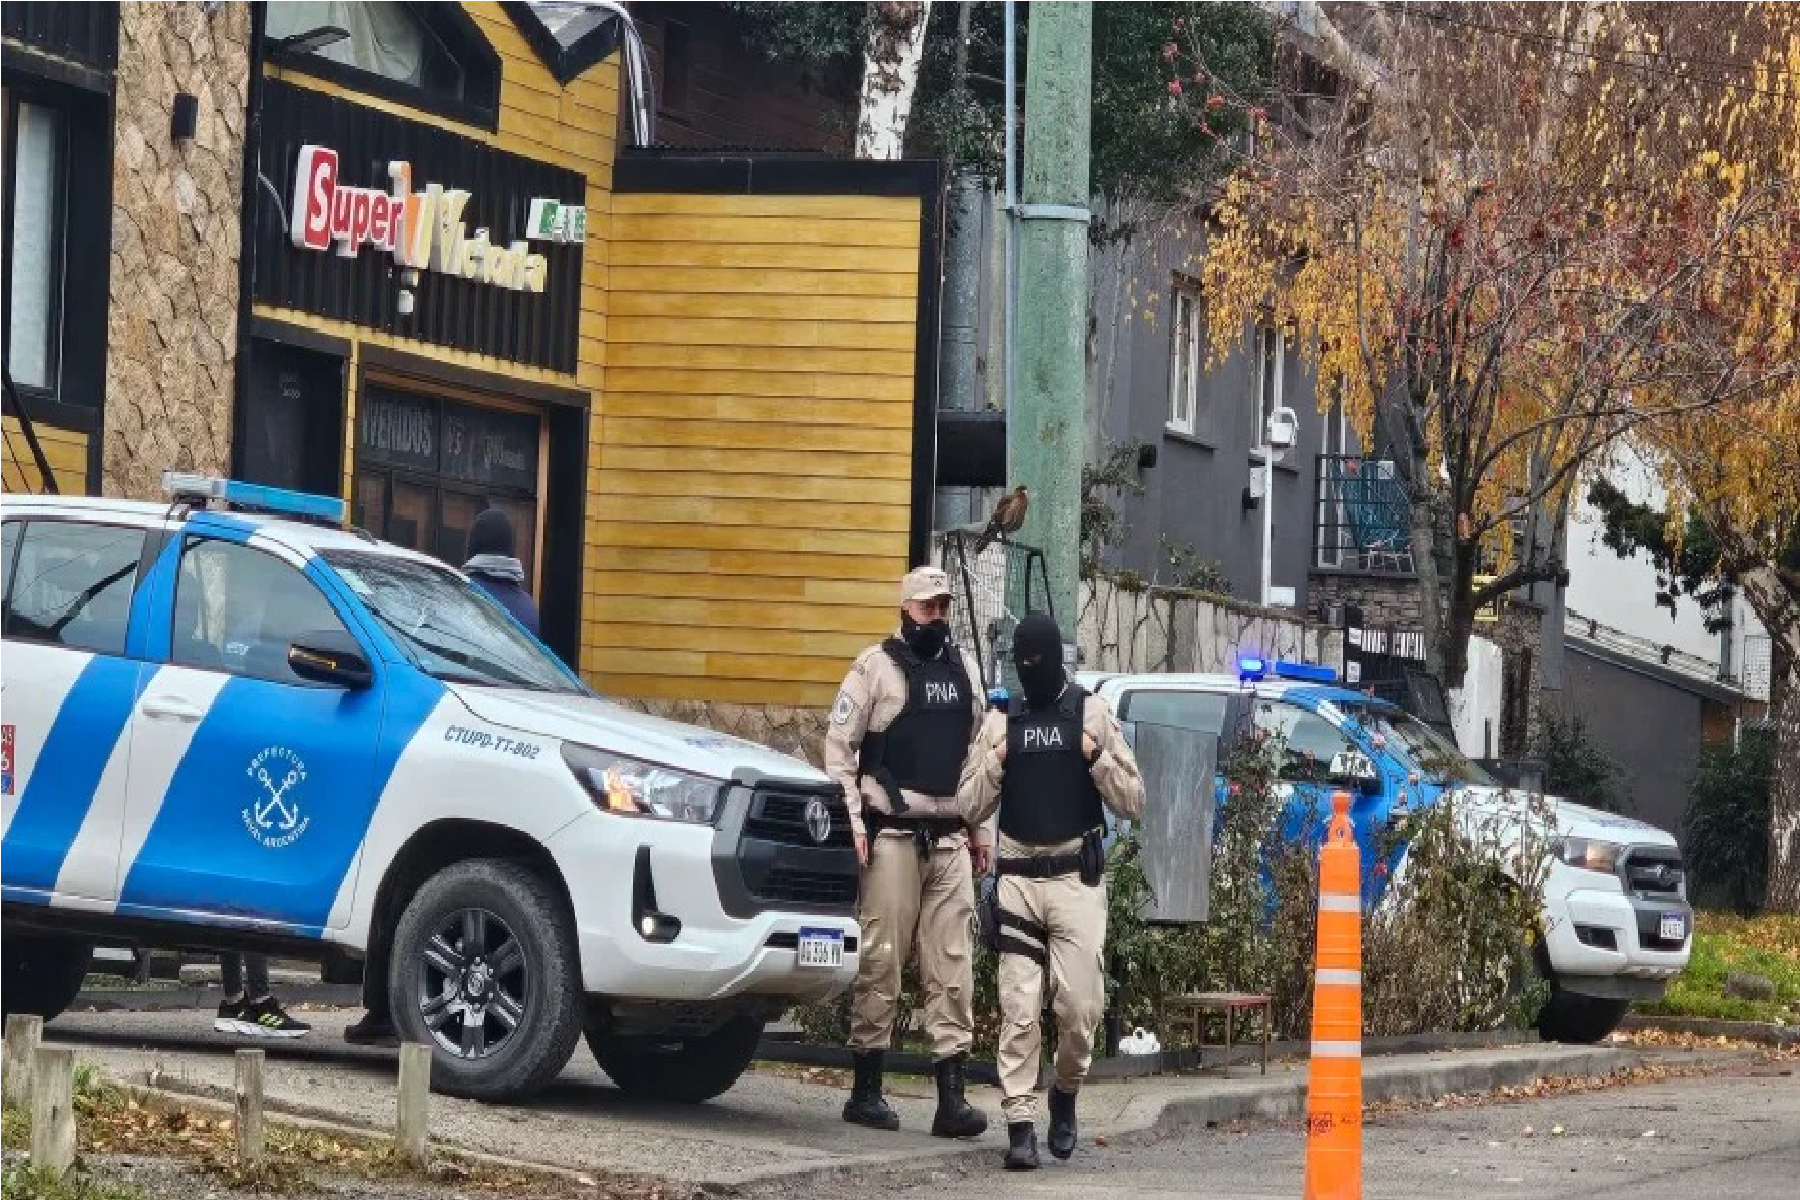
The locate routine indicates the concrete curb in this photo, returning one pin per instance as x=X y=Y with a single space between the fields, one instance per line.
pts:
x=1266 y=1097
x=1745 y=1031
x=788 y=1048
x=1390 y=1080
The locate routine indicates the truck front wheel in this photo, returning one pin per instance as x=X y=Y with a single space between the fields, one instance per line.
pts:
x=1573 y=1017
x=684 y=1070
x=484 y=970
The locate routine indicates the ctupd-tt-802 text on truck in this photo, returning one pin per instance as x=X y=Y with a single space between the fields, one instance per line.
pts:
x=247 y=727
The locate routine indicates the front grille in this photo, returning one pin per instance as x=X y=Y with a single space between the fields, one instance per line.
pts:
x=790 y=885
x=1654 y=873
x=774 y=862
x=780 y=817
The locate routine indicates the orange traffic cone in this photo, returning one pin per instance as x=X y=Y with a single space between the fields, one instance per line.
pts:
x=1334 y=1080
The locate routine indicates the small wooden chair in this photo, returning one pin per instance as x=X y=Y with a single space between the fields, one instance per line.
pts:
x=1189 y=1013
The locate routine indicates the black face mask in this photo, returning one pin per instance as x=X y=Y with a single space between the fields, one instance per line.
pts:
x=1037 y=657
x=927 y=641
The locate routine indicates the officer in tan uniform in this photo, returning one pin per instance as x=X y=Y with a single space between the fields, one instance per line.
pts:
x=1051 y=767
x=897 y=739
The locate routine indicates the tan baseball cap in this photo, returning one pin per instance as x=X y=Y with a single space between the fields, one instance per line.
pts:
x=924 y=583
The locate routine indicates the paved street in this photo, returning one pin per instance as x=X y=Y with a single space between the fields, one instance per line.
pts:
x=1720 y=1138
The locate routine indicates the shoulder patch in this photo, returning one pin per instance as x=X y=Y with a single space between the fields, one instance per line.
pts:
x=844 y=709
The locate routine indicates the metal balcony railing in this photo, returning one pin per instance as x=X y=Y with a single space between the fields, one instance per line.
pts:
x=1362 y=517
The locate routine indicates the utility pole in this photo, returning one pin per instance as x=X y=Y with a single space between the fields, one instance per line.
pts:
x=958 y=358
x=1044 y=428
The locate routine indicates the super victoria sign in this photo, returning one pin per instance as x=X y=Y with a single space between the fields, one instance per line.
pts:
x=422 y=229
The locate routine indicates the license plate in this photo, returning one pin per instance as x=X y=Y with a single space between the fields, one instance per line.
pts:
x=821 y=948
x=1673 y=927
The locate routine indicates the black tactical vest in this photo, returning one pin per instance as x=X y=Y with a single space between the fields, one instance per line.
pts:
x=1047 y=795
x=925 y=746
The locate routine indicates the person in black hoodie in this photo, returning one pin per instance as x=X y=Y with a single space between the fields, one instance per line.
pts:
x=493 y=567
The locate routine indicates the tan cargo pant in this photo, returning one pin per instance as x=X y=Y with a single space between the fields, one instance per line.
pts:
x=1072 y=916
x=928 y=904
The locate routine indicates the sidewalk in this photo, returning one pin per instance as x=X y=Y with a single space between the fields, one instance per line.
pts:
x=766 y=1128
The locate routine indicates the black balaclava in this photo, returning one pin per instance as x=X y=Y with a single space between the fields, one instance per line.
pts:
x=1038 y=658
x=927 y=640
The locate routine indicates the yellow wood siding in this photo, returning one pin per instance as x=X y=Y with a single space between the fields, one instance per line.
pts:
x=65 y=449
x=751 y=500
x=574 y=127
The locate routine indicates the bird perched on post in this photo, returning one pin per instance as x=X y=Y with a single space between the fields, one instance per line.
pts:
x=1009 y=517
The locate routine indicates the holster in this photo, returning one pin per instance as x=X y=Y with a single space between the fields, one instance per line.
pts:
x=987 y=915
x=1093 y=857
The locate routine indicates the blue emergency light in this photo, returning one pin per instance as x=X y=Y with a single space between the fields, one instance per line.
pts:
x=182 y=485
x=1253 y=668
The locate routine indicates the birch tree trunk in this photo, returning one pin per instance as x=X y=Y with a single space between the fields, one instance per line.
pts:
x=890 y=76
x=1776 y=601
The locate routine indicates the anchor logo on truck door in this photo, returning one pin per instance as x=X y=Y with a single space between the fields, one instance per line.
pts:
x=274 y=817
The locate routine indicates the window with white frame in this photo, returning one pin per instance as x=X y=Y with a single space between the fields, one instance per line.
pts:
x=1186 y=358
x=1270 y=351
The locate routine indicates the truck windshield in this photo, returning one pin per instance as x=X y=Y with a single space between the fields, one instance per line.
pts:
x=1435 y=756
x=447 y=627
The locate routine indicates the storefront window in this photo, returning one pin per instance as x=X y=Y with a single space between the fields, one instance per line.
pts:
x=36 y=171
x=426 y=467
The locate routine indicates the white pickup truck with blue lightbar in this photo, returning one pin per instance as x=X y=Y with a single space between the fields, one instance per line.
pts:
x=1616 y=925
x=233 y=723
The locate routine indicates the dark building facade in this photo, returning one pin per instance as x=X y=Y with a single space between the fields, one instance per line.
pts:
x=713 y=91
x=1650 y=718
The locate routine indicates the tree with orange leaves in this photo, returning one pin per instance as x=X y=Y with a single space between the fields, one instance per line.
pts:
x=1514 y=234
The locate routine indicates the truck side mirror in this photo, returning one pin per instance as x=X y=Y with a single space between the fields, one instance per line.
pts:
x=330 y=657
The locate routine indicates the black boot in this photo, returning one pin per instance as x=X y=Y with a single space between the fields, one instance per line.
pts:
x=1022 y=1154
x=1062 y=1122
x=865 y=1106
x=956 y=1117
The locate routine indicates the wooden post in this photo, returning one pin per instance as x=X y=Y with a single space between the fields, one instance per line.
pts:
x=53 y=1110
x=414 y=1103
x=24 y=1033
x=249 y=1123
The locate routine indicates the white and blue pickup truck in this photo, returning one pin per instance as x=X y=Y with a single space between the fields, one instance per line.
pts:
x=1616 y=925
x=233 y=723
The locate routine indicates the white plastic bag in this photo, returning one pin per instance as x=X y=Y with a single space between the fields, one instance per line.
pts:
x=1140 y=1041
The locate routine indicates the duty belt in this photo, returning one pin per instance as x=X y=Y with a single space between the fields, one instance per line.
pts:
x=924 y=830
x=1040 y=868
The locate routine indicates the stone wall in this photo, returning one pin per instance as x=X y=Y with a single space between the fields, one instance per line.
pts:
x=1519 y=634
x=796 y=731
x=1388 y=602
x=176 y=234
x=1124 y=629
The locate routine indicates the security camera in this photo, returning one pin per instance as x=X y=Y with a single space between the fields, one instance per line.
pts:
x=1283 y=428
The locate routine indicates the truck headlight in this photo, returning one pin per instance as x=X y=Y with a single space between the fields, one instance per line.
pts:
x=1588 y=854
x=631 y=787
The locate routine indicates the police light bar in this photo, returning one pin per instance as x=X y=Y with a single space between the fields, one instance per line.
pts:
x=1305 y=672
x=1252 y=667
x=183 y=485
